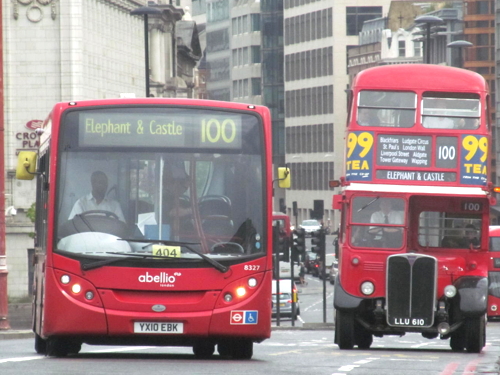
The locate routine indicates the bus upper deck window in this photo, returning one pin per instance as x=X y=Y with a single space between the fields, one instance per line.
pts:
x=386 y=108
x=450 y=111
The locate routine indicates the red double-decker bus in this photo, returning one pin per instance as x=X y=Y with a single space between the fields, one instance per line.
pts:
x=153 y=225
x=414 y=207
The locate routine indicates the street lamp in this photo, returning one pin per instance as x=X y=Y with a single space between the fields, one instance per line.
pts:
x=460 y=45
x=145 y=11
x=429 y=20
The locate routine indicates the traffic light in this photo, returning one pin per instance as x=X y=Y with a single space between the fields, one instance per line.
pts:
x=299 y=244
x=280 y=244
x=318 y=243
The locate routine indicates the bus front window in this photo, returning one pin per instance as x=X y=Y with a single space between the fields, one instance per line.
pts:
x=377 y=222
x=450 y=111
x=442 y=229
x=211 y=201
x=386 y=108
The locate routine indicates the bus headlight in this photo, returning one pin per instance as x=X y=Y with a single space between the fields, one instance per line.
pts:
x=65 y=279
x=241 y=291
x=450 y=291
x=367 y=288
x=252 y=282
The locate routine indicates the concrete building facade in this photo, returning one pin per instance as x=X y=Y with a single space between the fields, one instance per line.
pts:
x=317 y=35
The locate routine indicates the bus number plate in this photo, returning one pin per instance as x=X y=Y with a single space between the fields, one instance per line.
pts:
x=155 y=327
x=166 y=251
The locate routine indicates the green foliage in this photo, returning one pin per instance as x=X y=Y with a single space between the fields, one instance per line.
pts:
x=31 y=212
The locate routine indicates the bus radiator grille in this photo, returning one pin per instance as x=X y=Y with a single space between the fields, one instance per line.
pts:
x=411 y=290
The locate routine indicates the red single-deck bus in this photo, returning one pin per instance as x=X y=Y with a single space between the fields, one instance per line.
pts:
x=414 y=207
x=494 y=274
x=153 y=222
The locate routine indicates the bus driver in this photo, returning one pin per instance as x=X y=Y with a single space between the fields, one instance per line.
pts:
x=96 y=199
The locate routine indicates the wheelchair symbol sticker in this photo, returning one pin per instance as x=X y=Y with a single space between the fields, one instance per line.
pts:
x=244 y=317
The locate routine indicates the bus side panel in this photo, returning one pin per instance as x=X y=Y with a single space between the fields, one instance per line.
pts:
x=225 y=321
x=64 y=315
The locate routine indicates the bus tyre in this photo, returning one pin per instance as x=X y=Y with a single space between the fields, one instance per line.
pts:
x=457 y=340
x=203 y=349
x=344 y=330
x=61 y=347
x=237 y=349
x=40 y=345
x=364 y=338
x=475 y=334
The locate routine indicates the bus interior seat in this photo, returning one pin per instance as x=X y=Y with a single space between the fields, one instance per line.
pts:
x=218 y=225
x=214 y=205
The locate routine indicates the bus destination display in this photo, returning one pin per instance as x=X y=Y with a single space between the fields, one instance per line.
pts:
x=416 y=158
x=198 y=129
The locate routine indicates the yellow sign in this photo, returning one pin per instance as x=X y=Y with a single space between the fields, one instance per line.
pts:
x=167 y=251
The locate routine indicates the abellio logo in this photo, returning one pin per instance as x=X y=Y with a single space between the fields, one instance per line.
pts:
x=164 y=279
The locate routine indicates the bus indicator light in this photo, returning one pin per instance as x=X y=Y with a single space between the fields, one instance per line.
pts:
x=89 y=295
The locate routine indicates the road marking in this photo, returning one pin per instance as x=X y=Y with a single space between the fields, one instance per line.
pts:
x=20 y=359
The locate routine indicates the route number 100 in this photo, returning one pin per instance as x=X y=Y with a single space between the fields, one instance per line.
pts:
x=472 y=206
x=446 y=153
x=213 y=131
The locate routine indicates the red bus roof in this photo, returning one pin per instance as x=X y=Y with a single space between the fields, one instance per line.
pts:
x=426 y=77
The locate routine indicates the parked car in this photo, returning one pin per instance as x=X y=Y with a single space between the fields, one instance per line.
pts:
x=310 y=226
x=287 y=295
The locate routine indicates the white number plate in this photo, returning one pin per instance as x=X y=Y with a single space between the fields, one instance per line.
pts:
x=162 y=328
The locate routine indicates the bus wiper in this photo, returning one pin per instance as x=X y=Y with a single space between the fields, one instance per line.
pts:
x=100 y=263
x=368 y=204
x=214 y=263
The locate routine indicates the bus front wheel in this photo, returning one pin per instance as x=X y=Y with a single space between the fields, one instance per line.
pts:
x=203 y=349
x=475 y=333
x=40 y=345
x=344 y=330
x=58 y=347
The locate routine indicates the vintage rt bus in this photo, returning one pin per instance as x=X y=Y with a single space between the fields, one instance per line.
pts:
x=414 y=203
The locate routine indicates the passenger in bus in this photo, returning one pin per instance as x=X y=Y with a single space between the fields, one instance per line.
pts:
x=96 y=199
x=176 y=205
x=390 y=237
x=452 y=240
x=366 y=117
x=439 y=122
x=471 y=236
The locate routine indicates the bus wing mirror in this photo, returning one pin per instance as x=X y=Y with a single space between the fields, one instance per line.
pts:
x=26 y=165
x=284 y=179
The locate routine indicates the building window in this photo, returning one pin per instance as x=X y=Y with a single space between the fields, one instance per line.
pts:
x=417 y=49
x=402 y=48
x=255 y=22
x=356 y=16
x=255 y=54
x=256 y=89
